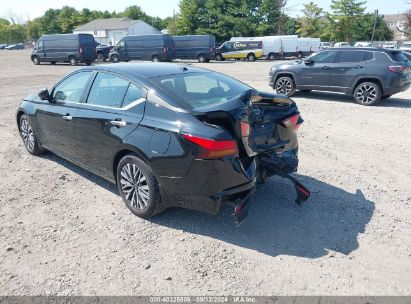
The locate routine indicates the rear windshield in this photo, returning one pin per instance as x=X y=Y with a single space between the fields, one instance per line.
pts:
x=197 y=90
x=398 y=56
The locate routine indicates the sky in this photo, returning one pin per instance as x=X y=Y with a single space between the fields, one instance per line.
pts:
x=26 y=9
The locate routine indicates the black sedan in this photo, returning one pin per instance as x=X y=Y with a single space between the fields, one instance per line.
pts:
x=166 y=134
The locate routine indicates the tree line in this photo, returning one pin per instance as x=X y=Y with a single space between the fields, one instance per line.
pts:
x=64 y=20
x=345 y=20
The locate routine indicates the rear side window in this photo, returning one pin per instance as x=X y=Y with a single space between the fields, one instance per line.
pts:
x=351 y=56
x=368 y=56
x=134 y=93
x=200 y=89
x=108 y=90
x=191 y=43
x=397 y=56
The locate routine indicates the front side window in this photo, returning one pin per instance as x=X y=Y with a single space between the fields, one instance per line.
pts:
x=108 y=90
x=71 y=88
x=324 y=57
x=196 y=90
x=351 y=56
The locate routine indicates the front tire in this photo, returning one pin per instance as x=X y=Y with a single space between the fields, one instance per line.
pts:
x=367 y=93
x=29 y=138
x=251 y=57
x=155 y=58
x=271 y=57
x=285 y=85
x=219 y=57
x=138 y=187
x=115 y=59
x=36 y=60
x=100 y=57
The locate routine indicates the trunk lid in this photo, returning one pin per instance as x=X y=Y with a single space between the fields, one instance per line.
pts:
x=256 y=120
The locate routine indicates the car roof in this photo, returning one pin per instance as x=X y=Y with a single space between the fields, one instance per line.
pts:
x=372 y=49
x=147 y=70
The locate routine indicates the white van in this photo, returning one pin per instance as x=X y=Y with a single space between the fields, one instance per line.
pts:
x=406 y=46
x=290 y=46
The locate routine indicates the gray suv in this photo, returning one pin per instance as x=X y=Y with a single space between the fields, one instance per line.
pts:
x=369 y=74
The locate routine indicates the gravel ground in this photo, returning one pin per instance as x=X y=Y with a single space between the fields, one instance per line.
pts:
x=64 y=231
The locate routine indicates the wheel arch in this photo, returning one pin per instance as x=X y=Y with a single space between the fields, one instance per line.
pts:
x=368 y=79
x=20 y=113
x=126 y=150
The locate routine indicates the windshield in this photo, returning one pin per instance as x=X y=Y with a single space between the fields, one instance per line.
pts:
x=200 y=89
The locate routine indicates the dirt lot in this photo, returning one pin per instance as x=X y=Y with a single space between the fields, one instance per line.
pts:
x=64 y=231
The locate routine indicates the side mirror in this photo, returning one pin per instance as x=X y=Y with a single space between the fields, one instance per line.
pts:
x=308 y=61
x=44 y=94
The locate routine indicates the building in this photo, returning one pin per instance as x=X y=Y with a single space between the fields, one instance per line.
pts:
x=110 y=31
x=396 y=23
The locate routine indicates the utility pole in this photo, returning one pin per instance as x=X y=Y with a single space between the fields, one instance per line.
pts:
x=375 y=23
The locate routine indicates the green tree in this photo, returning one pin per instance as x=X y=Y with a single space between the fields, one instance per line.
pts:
x=346 y=19
x=310 y=24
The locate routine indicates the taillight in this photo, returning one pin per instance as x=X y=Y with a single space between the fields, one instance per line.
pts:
x=211 y=149
x=396 y=68
x=294 y=121
x=245 y=129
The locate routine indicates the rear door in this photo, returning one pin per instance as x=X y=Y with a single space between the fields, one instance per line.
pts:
x=88 y=47
x=113 y=109
x=349 y=67
x=316 y=75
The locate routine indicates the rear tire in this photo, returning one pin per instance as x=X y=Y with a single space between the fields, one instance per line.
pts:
x=100 y=57
x=138 y=187
x=300 y=55
x=367 y=93
x=73 y=60
x=251 y=57
x=284 y=85
x=201 y=59
x=271 y=57
x=89 y=62
x=155 y=58
x=36 y=60
x=28 y=136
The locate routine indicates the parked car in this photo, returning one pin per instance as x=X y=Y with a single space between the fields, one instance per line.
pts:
x=370 y=74
x=341 y=44
x=408 y=55
x=2 y=46
x=326 y=45
x=72 y=48
x=143 y=47
x=246 y=49
x=390 y=45
x=363 y=44
x=406 y=46
x=166 y=134
x=200 y=47
x=103 y=51
x=18 y=46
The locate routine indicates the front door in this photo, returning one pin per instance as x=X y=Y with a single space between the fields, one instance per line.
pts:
x=54 y=119
x=316 y=74
x=113 y=109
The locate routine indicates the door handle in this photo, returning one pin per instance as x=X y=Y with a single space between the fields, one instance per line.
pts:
x=325 y=67
x=118 y=123
x=67 y=117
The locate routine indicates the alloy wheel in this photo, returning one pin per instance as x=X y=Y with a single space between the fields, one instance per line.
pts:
x=27 y=134
x=283 y=86
x=367 y=94
x=134 y=186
